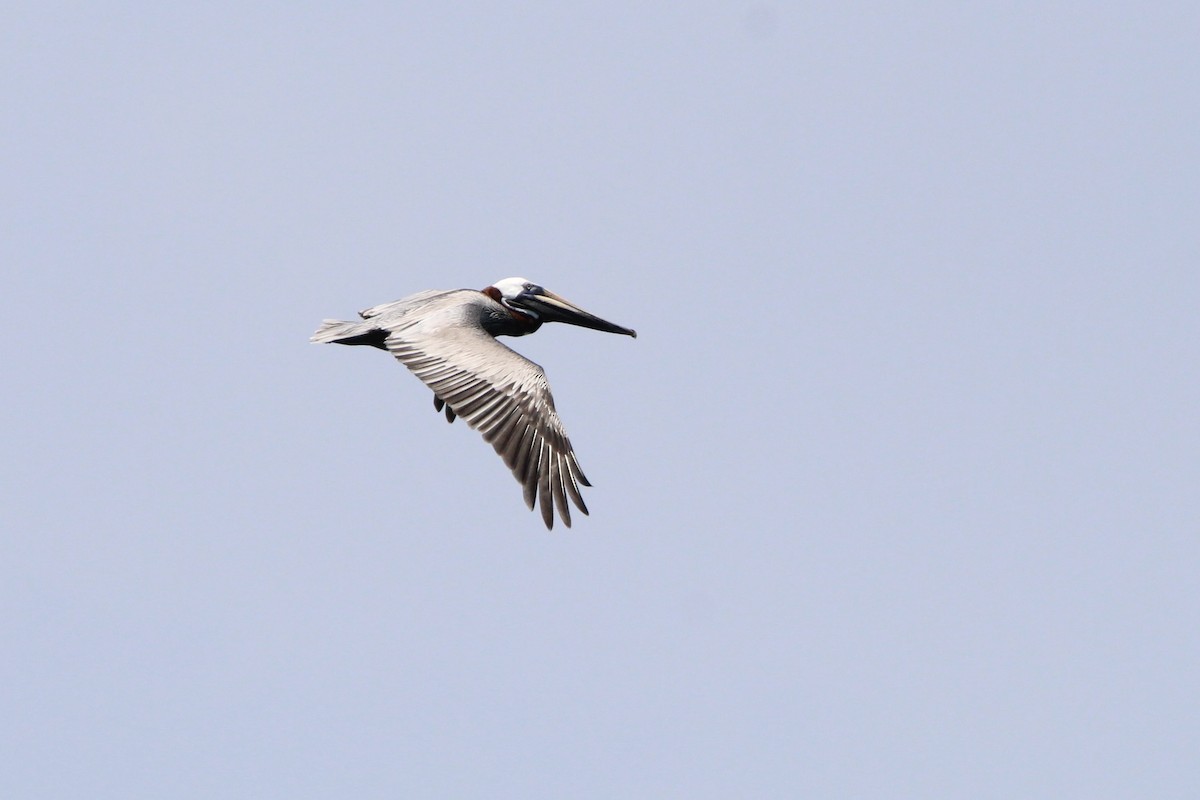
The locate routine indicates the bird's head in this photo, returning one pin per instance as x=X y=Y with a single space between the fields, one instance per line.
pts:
x=526 y=297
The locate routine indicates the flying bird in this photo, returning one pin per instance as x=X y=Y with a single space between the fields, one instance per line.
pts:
x=448 y=340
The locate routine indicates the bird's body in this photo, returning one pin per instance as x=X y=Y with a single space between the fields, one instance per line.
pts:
x=447 y=339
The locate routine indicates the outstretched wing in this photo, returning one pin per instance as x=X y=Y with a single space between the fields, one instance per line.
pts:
x=504 y=396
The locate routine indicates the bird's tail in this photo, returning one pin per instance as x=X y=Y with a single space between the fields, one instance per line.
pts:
x=339 y=332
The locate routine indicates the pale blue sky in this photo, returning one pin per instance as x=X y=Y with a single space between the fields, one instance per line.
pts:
x=895 y=493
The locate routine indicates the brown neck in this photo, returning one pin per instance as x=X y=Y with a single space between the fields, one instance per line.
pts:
x=514 y=323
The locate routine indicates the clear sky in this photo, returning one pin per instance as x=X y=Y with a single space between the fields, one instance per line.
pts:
x=896 y=493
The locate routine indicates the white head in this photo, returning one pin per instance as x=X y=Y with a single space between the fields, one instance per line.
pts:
x=512 y=288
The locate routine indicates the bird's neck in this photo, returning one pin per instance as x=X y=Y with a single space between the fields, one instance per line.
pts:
x=508 y=321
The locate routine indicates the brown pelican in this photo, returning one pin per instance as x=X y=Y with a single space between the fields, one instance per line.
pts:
x=447 y=339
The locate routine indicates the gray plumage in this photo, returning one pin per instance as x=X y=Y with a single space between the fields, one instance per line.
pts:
x=447 y=339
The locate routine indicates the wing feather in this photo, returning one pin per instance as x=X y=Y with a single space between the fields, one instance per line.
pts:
x=498 y=392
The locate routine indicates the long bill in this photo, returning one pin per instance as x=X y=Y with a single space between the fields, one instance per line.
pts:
x=552 y=308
